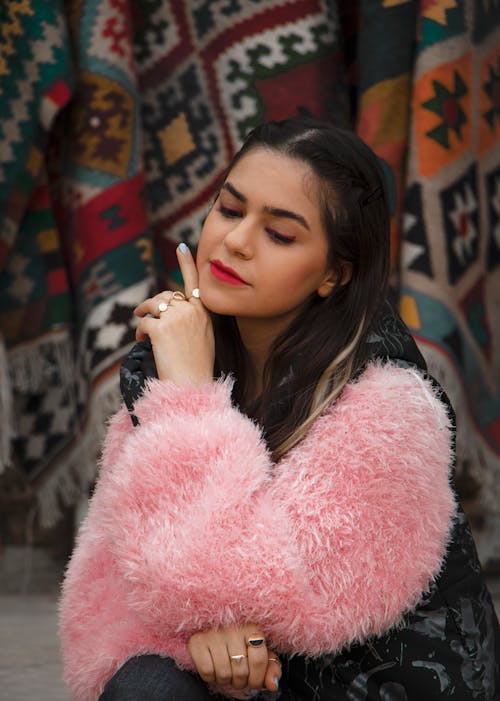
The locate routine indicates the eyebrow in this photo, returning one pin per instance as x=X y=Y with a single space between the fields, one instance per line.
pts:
x=274 y=211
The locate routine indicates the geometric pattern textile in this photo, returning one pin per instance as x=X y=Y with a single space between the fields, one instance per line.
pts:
x=117 y=121
x=384 y=89
x=75 y=251
x=154 y=97
x=36 y=82
x=450 y=254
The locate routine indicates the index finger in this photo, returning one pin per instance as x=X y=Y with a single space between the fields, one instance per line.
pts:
x=188 y=269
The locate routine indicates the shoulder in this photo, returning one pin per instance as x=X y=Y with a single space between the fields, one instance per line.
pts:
x=391 y=374
x=390 y=417
x=388 y=389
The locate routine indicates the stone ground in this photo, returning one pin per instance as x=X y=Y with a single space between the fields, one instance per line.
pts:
x=30 y=665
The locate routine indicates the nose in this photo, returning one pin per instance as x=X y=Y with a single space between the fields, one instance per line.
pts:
x=239 y=240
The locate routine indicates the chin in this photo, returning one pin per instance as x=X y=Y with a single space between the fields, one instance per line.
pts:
x=222 y=310
x=216 y=302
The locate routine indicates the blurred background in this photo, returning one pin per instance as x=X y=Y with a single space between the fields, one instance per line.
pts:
x=118 y=117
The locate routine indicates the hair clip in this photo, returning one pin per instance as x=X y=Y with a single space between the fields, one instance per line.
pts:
x=375 y=195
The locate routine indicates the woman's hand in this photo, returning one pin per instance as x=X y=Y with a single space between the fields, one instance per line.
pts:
x=227 y=657
x=180 y=329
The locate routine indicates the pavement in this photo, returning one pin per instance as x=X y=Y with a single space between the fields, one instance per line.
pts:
x=30 y=664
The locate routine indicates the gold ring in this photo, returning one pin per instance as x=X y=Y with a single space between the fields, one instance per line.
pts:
x=237 y=658
x=178 y=295
x=274 y=659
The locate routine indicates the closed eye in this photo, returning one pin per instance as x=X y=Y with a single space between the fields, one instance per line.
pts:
x=279 y=238
x=228 y=212
x=273 y=235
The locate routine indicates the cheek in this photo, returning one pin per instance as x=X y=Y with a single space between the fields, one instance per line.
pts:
x=204 y=243
x=211 y=234
x=304 y=276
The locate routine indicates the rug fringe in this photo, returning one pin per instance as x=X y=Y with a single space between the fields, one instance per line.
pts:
x=72 y=478
x=30 y=363
x=25 y=368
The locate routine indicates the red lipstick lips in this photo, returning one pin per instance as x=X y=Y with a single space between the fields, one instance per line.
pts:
x=222 y=272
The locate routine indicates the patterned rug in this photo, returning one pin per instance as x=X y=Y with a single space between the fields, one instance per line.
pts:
x=142 y=105
x=450 y=257
x=75 y=255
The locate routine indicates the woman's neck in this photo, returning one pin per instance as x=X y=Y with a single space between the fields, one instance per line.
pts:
x=257 y=337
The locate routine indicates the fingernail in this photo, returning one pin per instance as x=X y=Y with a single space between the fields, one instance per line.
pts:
x=277 y=682
x=183 y=248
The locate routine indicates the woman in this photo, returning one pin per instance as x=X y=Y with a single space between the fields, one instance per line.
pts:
x=288 y=529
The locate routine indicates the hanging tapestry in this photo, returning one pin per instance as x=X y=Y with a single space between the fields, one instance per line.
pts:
x=117 y=121
x=450 y=259
x=75 y=255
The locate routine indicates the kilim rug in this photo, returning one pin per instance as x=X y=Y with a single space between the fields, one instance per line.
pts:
x=450 y=259
x=181 y=93
x=75 y=255
x=178 y=84
x=222 y=68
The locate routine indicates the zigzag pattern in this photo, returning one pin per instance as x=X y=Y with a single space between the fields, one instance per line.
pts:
x=10 y=29
x=20 y=106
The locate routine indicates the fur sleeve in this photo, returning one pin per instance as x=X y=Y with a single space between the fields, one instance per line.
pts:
x=97 y=629
x=330 y=546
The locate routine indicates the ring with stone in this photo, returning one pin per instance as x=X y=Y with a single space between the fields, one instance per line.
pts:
x=195 y=293
x=162 y=307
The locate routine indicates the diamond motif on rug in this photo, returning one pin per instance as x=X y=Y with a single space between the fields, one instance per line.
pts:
x=460 y=214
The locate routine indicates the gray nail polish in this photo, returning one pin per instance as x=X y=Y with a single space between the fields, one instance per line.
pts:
x=183 y=248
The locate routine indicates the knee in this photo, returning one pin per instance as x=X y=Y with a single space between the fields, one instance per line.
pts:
x=113 y=690
x=153 y=678
x=130 y=682
x=117 y=689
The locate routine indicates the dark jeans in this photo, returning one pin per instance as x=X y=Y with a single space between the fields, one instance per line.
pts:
x=155 y=678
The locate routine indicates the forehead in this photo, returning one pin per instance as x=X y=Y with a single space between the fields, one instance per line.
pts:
x=266 y=171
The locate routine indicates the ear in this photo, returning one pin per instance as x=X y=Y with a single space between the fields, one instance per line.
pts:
x=334 y=278
x=328 y=284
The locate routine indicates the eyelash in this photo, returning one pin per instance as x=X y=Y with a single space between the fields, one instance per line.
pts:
x=274 y=235
x=229 y=213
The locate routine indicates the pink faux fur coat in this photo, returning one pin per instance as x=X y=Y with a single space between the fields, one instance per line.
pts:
x=192 y=526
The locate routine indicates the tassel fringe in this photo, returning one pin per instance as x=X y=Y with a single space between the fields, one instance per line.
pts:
x=72 y=478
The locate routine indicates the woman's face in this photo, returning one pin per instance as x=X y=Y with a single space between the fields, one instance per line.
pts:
x=263 y=249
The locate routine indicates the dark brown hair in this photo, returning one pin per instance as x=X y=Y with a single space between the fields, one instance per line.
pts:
x=324 y=346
